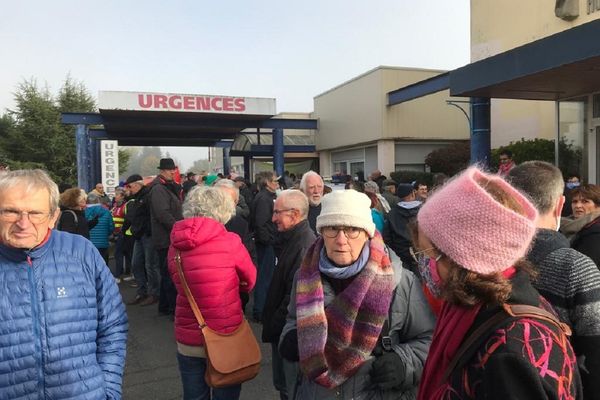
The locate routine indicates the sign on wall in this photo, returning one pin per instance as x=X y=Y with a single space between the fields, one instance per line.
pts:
x=109 y=161
x=141 y=101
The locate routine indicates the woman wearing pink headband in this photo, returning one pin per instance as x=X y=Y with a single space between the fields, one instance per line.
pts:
x=495 y=337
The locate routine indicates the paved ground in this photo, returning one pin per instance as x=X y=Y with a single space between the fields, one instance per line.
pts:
x=151 y=371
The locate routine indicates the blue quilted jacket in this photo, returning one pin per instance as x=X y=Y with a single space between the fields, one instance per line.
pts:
x=63 y=327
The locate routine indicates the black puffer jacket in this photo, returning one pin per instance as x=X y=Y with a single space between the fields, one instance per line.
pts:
x=397 y=236
x=165 y=210
x=587 y=240
x=296 y=241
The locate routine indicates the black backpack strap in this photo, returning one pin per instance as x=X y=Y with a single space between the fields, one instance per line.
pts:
x=509 y=312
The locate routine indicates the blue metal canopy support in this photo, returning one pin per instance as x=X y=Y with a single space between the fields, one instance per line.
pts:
x=95 y=163
x=247 y=167
x=226 y=161
x=419 y=89
x=278 y=151
x=480 y=131
x=83 y=157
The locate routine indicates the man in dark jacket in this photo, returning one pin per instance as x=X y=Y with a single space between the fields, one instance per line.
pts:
x=289 y=215
x=569 y=280
x=396 y=231
x=64 y=326
x=145 y=259
x=165 y=210
x=312 y=185
x=264 y=237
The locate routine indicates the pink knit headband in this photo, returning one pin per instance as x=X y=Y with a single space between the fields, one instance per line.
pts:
x=466 y=223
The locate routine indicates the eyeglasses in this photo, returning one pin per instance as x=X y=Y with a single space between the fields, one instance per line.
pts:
x=332 y=231
x=35 y=217
x=421 y=257
x=277 y=212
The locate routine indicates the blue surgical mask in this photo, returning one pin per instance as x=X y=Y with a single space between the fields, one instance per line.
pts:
x=572 y=185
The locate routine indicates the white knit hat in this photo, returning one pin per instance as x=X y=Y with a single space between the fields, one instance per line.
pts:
x=346 y=208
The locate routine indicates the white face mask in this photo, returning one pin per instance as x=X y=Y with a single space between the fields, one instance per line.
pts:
x=277 y=192
x=557 y=223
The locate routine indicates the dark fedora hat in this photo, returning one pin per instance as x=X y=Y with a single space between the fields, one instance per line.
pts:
x=167 y=163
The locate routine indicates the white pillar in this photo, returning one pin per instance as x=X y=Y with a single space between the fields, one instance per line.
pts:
x=386 y=156
x=325 y=163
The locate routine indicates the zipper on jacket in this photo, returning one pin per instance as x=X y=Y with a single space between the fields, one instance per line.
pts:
x=35 y=308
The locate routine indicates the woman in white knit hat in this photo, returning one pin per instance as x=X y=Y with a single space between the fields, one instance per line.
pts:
x=357 y=321
x=495 y=337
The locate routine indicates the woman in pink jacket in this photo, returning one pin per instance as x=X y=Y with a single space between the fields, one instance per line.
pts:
x=217 y=267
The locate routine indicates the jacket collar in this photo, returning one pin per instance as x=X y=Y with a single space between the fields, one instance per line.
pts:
x=20 y=255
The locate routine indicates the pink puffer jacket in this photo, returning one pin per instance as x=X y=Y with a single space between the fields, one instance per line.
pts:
x=215 y=262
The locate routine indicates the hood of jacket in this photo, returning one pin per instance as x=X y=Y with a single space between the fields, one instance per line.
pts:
x=193 y=232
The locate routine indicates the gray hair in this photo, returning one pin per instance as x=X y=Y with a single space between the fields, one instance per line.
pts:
x=264 y=177
x=210 y=202
x=119 y=190
x=371 y=186
x=542 y=182
x=230 y=186
x=32 y=180
x=293 y=198
x=305 y=177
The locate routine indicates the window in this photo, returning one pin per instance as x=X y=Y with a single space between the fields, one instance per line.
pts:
x=593 y=6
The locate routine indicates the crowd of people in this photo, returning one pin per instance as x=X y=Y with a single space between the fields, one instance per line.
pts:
x=483 y=287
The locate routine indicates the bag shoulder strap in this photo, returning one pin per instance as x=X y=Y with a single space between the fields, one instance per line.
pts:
x=188 y=293
x=509 y=312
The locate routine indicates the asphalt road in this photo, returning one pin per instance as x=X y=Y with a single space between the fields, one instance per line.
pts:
x=151 y=371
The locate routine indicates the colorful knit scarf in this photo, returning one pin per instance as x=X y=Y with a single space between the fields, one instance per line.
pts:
x=334 y=342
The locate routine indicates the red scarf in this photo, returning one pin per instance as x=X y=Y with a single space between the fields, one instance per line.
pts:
x=452 y=325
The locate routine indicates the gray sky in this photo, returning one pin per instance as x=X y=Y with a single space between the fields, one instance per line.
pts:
x=260 y=48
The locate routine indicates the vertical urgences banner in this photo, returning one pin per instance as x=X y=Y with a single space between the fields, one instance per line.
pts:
x=109 y=161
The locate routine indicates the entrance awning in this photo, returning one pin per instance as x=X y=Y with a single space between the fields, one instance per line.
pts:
x=562 y=66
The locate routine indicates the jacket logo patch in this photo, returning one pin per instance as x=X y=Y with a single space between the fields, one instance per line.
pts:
x=61 y=292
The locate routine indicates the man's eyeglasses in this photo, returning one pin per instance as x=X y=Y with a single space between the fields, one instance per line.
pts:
x=35 y=217
x=331 y=232
x=277 y=212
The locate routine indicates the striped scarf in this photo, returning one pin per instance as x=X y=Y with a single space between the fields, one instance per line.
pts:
x=334 y=342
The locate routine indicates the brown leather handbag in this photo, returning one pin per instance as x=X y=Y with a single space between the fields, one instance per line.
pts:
x=232 y=358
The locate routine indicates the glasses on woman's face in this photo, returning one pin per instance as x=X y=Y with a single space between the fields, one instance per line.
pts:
x=421 y=256
x=350 y=232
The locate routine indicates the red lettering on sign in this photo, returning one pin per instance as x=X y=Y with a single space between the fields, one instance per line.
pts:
x=214 y=103
x=175 y=102
x=203 y=103
x=240 y=104
x=160 y=101
x=147 y=103
x=227 y=104
x=188 y=103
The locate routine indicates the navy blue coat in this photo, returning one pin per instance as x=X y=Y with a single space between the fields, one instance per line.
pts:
x=63 y=327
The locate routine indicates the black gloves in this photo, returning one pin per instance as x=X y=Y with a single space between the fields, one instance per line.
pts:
x=289 y=346
x=388 y=371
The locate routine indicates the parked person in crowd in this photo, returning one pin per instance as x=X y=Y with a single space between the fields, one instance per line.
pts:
x=439 y=179
x=382 y=205
x=99 y=192
x=389 y=192
x=165 y=209
x=396 y=232
x=357 y=322
x=145 y=263
x=118 y=216
x=216 y=266
x=470 y=250
x=355 y=185
x=359 y=176
x=573 y=181
x=584 y=228
x=264 y=237
x=290 y=216
x=378 y=178
x=569 y=280
x=190 y=182
x=100 y=233
x=242 y=209
x=72 y=218
x=287 y=179
x=63 y=322
x=240 y=227
x=421 y=191
x=506 y=163
x=376 y=214
x=243 y=187
x=312 y=186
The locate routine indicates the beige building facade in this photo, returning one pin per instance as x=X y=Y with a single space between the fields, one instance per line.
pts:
x=358 y=131
x=500 y=26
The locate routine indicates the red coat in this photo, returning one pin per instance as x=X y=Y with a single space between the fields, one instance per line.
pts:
x=214 y=263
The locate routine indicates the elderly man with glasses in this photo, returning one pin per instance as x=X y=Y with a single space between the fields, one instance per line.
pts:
x=63 y=324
